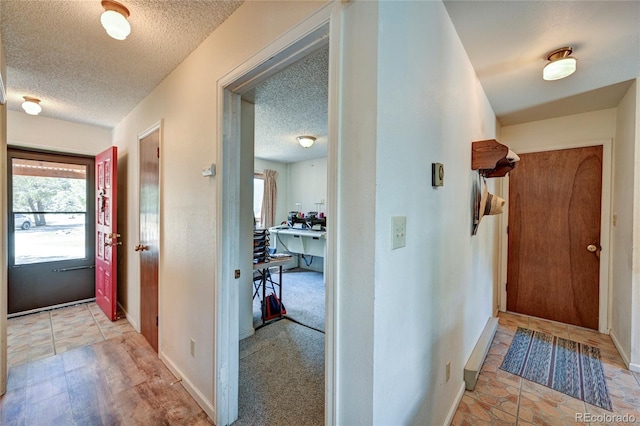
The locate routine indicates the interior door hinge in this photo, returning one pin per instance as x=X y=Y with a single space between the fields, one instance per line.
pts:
x=507 y=229
x=158 y=152
x=156 y=320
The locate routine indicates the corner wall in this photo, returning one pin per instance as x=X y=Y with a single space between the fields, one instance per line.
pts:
x=622 y=226
x=434 y=296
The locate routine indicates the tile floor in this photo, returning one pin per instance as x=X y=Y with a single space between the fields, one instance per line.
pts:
x=501 y=398
x=44 y=334
x=120 y=381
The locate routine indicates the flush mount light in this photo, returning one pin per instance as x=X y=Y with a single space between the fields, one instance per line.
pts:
x=306 y=141
x=114 y=19
x=31 y=105
x=561 y=64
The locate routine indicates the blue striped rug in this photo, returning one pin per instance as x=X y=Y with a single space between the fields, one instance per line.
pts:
x=569 y=367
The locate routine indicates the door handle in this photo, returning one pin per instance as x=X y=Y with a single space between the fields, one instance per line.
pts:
x=595 y=249
x=141 y=247
x=112 y=243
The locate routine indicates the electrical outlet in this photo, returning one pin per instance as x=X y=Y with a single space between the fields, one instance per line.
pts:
x=192 y=348
x=448 y=370
x=398 y=232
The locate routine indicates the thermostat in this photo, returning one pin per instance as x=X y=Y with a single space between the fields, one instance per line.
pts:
x=437 y=174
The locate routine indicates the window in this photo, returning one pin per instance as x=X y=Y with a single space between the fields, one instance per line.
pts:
x=49 y=206
x=258 y=193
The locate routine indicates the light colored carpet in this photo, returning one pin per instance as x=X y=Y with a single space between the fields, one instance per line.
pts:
x=282 y=376
x=302 y=296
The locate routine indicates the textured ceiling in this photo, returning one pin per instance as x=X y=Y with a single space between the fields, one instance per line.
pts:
x=508 y=41
x=58 y=51
x=293 y=103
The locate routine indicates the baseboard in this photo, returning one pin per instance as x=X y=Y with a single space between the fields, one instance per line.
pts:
x=623 y=354
x=454 y=407
x=634 y=367
x=202 y=401
x=248 y=332
x=476 y=359
x=128 y=317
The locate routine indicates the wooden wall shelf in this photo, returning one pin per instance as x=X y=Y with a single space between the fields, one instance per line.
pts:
x=490 y=157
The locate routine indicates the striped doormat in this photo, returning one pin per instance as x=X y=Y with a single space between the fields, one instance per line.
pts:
x=569 y=367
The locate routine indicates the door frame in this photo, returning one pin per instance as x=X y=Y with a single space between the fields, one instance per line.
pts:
x=291 y=46
x=158 y=125
x=605 y=226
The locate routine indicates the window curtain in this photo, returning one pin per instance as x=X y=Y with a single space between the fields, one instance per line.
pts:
x=269 y=198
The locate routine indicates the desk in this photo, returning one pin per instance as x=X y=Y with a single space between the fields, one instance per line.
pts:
x=263 y=270
x=299 y=241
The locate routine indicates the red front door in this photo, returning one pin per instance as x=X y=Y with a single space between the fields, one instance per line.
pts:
x=106 y=230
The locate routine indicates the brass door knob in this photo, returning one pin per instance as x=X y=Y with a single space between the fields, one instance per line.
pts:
x=112 y=243
x=141 y=247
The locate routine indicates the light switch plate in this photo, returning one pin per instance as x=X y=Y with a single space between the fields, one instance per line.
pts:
x=398 y=231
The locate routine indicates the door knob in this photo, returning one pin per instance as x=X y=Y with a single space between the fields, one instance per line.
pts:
x=112 y=243
x=141 y=247
x=592 y=248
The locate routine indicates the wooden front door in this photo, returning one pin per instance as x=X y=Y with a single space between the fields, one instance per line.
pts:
x=149 y=235
x=554 y=235
x=106 y=231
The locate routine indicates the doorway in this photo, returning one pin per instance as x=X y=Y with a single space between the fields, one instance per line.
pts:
x=554 y=240
x=296 y=44
x=51 y=230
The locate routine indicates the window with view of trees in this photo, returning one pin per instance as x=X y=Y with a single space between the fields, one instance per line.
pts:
x=49 y=208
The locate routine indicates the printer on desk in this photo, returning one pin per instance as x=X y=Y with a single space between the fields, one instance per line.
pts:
x=312 y=220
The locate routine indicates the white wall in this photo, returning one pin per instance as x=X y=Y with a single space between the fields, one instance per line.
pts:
x=560 y=131
x=50 y=134
x=356 y=193
x=634 y=362
x=185 y=101
x=433 y=297
x=282 y=181
x=307 y=184
x=622 y=235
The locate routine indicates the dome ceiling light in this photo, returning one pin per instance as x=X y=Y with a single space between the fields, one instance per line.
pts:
x=306 y=141
x=561 y=64
x=114 y=19
x=31 y=105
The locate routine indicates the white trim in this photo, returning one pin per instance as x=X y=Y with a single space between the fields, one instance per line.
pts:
x=454 y=406
x=157 y=126
x=623 y=354
x=295 y=43
x=605 y=226
x=247 y=333
x=128 y=317
x=634 y=367
x=188 y=386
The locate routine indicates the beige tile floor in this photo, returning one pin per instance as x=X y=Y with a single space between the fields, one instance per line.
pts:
x=44 y=334
x=501 y=398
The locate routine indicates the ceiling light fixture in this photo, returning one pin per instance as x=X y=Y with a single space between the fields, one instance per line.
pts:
x=31 y=105
x=561 y=64
x=114 y=19
x=306 y=141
